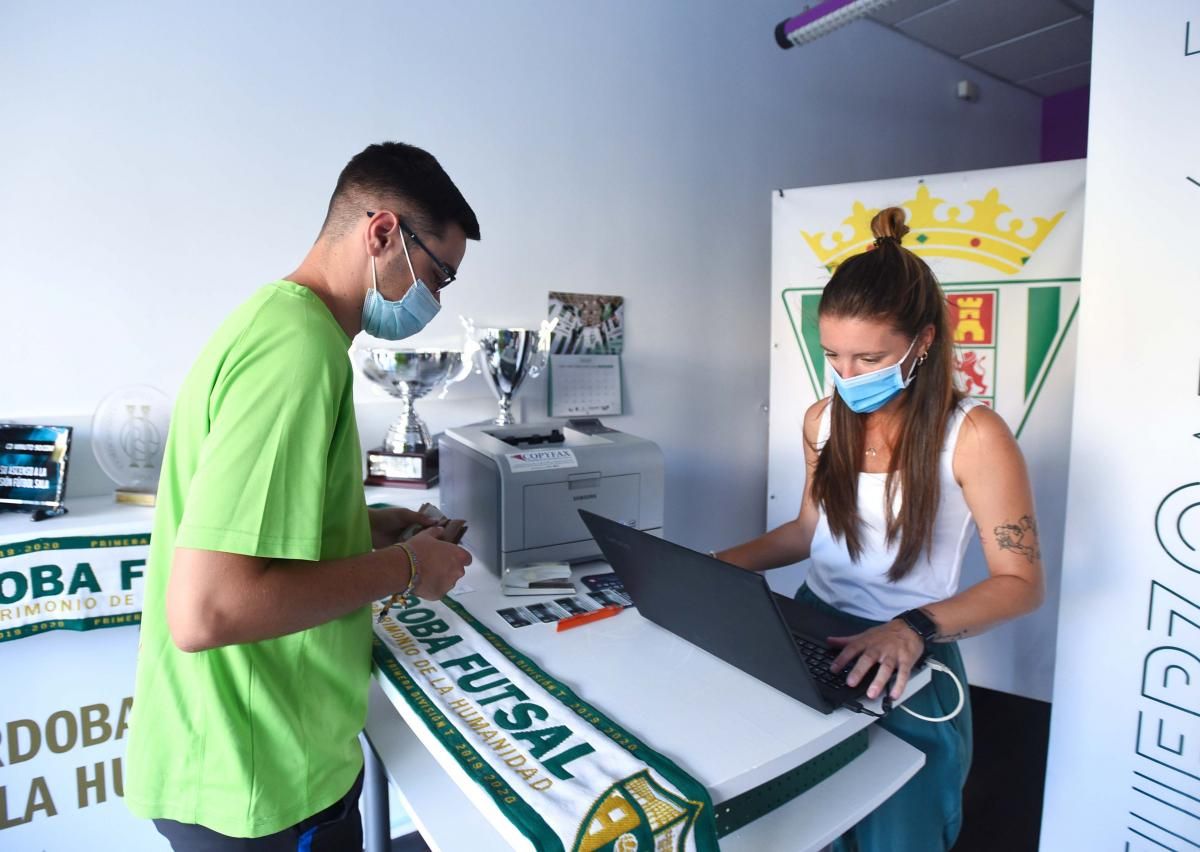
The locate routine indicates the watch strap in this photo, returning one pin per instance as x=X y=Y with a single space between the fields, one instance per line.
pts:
x=921 y=624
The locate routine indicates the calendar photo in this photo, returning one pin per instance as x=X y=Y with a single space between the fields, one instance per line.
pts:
x=585 y=354
x=587 y=324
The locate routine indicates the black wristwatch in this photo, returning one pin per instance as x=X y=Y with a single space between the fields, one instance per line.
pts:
x=921 y=624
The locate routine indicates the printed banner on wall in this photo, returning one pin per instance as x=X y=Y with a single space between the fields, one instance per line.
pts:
x=1005 y=245
x=71 y=583
x=1124 y=763
x=64 y=716
x=65 y=708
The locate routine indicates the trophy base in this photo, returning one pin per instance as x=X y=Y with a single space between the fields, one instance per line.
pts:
x=402 y=470
x=135 y=498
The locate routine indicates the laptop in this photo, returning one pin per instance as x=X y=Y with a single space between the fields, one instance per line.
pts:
x=731 y=613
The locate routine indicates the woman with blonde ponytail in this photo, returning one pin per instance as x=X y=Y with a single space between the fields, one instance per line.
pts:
x=902 y=469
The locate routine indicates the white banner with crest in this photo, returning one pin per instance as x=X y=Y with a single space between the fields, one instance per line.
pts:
x=1124 y=766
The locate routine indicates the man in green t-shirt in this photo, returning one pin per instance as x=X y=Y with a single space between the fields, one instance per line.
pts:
x=255 y=647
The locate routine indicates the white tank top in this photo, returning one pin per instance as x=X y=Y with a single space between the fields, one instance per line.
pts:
x=862 y=588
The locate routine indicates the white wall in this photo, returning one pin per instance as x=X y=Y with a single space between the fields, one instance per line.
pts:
x=158 y=162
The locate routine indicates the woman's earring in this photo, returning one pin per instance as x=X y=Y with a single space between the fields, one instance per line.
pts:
x=921 y=360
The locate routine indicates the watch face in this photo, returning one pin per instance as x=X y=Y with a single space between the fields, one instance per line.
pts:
x=920 y=622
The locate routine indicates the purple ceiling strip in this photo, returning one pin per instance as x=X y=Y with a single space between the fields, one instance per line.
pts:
x=814 y=14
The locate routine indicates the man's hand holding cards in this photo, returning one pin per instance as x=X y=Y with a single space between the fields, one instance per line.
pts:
x=431 y=554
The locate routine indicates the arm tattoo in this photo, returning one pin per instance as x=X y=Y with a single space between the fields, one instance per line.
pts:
x=950 y=637
x=1020 y=537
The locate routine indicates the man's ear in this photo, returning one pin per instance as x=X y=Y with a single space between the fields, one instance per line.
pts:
x=380 y=230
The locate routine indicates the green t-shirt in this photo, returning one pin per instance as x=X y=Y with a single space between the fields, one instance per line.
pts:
x=263 y=458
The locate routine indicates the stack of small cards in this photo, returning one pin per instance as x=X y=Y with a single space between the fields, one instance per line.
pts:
x=452 y=531
x=540 y=578
x=604 y=590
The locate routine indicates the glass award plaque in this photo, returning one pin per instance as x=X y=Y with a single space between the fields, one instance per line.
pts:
x=129 y=435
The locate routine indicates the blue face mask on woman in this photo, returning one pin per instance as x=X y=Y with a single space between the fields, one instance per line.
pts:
x=404 y=317
x=871 y=391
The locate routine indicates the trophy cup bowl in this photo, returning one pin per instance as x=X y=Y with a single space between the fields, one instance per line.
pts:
x=407 y=457
x=506 y=357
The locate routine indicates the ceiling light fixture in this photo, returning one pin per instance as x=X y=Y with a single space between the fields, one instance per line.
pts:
x=821 y=19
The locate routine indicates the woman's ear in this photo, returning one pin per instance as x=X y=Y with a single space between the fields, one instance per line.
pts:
x=926 y=338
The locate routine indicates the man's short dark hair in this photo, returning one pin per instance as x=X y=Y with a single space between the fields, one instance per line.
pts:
x=402 y=175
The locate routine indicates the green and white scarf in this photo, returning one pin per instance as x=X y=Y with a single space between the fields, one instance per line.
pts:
x=564 y=774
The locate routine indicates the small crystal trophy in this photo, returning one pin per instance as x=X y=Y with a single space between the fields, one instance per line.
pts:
x=129 y=435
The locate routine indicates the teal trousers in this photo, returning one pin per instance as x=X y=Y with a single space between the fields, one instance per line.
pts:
x=924 y=815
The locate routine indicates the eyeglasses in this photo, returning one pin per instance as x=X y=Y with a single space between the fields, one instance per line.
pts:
x=448 y=272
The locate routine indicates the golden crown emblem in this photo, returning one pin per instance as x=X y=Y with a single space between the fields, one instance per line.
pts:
x=979 y=239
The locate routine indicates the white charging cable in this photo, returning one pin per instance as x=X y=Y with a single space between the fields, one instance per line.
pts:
x=936 y=666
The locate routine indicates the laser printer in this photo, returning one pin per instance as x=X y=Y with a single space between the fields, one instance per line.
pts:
x=519 y=488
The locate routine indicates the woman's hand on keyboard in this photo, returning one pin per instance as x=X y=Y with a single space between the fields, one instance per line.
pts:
x=894 y=646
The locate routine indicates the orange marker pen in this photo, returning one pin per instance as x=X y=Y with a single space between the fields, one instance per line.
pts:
x=588 y=617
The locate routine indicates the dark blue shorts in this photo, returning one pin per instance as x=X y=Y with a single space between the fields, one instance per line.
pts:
x=338 y=828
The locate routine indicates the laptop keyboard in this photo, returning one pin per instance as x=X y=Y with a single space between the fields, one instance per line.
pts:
x=818 y=658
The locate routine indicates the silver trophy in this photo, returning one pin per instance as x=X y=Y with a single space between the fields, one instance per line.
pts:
x=506 y=356
x=408 y=457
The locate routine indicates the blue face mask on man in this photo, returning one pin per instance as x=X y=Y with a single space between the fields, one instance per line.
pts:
x=871 y=391
x=404 y=317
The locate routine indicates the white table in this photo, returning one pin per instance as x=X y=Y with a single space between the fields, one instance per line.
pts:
x=669 y=704
x=449 y=821
x=86 y=516
x=672 y=695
